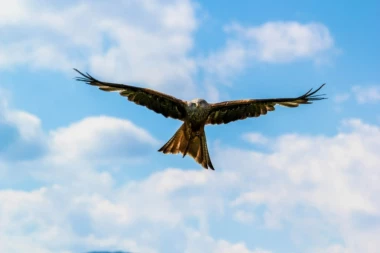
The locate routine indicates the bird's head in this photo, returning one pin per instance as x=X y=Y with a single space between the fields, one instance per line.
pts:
x=196 y=103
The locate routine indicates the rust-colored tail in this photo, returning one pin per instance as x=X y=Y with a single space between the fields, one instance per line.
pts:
x=186 y=142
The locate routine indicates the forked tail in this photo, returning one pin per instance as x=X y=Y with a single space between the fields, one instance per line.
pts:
x=187 y=142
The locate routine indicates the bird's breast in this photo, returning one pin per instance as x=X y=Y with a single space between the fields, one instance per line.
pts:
x=197 y=119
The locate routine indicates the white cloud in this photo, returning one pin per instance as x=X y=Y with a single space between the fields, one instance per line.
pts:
x=326 y=187
x=335 y=176
x=20 y=132
x=124 y=218
x=173 y=195
x=363 y=94
x=93 y=140
x=81 y=208
x=255 y=138
x=244 y=216
x=333 y=180
x=130 y=41
x=145 y=42
x=227 y=62
x=54 y=220
x=28 y=125
x=100 y=138
x=333 y=249
x=367 y=94
x=272 y=42
x=204 y=243
x=286 y=41
x=11 y=12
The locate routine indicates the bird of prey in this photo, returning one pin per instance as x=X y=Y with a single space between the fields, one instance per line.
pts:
x=190 y=138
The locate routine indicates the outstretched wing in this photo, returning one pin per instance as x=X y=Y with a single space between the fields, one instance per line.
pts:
x=228 y=111
x=159 y=102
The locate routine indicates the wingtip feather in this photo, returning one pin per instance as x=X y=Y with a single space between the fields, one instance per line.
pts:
x=312 y=96
x=87 y=78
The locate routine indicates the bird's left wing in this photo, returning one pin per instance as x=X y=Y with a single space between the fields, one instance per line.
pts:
x=159 y=102
x=225 y=112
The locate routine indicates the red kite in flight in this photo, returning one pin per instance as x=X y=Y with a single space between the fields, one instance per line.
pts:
x=190 y=138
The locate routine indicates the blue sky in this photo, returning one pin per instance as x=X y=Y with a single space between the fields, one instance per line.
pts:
x=79 y=168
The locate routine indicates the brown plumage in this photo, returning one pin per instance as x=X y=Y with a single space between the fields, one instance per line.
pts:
x=190 y=138
x=225 y=112
x=186 y=141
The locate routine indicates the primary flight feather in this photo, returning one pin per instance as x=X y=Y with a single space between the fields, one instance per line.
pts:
x=190 y=138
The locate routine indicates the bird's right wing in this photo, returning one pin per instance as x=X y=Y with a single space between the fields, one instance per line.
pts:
x=159 y=102
x=228 y=111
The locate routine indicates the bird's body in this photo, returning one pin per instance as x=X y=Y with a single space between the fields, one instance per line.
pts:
x=197 y=113
x=190 y=138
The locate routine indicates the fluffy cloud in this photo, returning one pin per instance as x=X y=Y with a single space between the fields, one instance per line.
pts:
x=255 y=138
x=20 y=133
x=330 y=191
x=146 y=42
x=131 y=41
x=367 y=94
x=226 y=62
x=27 y=151
x=285 y=41
x=202 y=243
x=272 y=42
x=362 y=94
x=79 y=207
x=99 y=138
x=243 y=216
x=132 y=217
x=333 y=182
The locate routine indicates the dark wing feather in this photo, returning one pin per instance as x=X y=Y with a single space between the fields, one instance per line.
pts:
x=228 y=111
x=159 y=102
